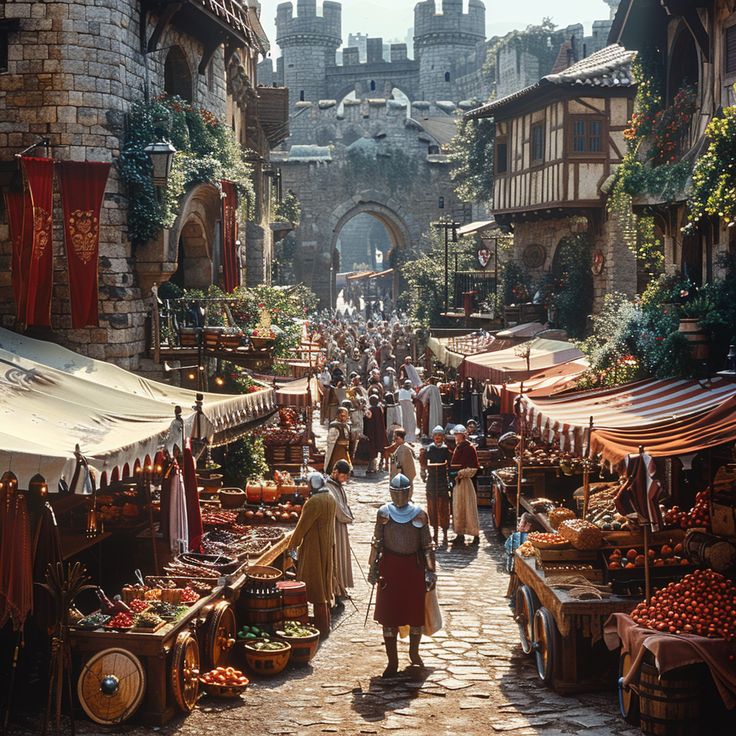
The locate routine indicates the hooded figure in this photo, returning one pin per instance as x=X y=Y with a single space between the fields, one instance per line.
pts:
x=402 y=563
x=374 y=428
x=314 y=536
x=343 y=517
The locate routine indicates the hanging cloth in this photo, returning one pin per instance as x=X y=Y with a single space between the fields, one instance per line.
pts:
x=16 y=560
x=178 y=530
x=641 y=492
x=47 y=551
x=194 y=513
x=230 y=265
x=20 y=223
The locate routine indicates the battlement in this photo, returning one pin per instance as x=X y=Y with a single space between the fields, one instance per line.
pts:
x=292 y=29
x=434 y=19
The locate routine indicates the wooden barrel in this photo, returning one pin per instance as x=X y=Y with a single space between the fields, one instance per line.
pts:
x=254 y=492
x=698 y=339
x=294 y=595
x=670 y=704
x=707 y=549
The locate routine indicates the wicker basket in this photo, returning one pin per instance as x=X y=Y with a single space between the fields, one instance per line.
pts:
x=558 y=515
x=581 y=534
x=266 y=662
x=222 y=691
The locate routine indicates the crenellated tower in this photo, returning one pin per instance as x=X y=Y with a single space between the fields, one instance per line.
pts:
x=444 y=34
x=308 y=43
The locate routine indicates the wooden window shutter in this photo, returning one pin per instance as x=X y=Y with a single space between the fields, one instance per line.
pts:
x=731 y=50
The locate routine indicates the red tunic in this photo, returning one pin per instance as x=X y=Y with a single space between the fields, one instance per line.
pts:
x=465 y=456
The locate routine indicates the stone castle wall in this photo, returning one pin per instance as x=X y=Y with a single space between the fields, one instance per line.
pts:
x=74 y=69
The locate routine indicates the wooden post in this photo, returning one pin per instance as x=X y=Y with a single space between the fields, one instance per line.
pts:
x=647 y=574
x=520 y=455
x=586 y=471
x=155 y=325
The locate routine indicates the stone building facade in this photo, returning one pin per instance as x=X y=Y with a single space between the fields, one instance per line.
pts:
x=73 y=71
x=379 y=163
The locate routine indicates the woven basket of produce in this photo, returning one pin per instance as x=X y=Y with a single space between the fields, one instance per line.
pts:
x=544 y=540
x=557 y=516
x=581 y=534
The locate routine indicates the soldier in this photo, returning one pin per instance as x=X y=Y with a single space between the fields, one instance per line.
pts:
x=402 y=563
x=435 y=464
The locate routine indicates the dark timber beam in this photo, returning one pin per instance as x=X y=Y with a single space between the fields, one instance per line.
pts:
x=209 y=50
x=687 y=10
x=164 y=20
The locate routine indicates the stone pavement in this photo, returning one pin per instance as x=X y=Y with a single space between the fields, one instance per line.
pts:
x=476 y=679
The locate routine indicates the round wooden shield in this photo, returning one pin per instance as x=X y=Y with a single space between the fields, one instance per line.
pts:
x=534 y=256
x=111 y=686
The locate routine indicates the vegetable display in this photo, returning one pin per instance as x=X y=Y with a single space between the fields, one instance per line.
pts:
x=227 y=676
x=665 y=556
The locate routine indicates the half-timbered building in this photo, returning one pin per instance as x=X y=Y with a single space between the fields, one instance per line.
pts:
x=557 y=144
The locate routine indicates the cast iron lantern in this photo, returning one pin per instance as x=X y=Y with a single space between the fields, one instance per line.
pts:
x=161 y=154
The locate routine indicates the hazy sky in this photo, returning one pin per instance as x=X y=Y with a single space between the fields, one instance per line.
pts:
x=392 y=18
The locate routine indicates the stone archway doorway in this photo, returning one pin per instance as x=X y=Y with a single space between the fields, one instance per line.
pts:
x=195 y=267
x=370 y=229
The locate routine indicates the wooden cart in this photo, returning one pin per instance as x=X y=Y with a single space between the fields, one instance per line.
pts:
x=564 y=634
x=157 y=673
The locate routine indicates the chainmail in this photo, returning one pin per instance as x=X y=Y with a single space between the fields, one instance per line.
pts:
x=403 y=539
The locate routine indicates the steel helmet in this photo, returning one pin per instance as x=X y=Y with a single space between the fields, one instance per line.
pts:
x=401 y=490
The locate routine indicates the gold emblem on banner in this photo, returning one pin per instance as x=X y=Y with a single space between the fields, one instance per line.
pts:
x=41 y=232
x=83 y=232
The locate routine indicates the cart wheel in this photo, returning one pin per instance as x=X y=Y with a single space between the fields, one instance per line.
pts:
x=111 y=686
x=185 y=671
x=525 y=605
x=628 y=699
x=220 y=629
x=546 y=644
x=499 y=507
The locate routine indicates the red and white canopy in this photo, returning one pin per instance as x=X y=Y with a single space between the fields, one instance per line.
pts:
x=568 y=419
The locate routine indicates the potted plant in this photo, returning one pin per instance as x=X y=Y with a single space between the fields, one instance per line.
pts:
x=692 y=313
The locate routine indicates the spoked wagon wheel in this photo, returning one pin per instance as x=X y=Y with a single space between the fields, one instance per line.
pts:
x=111 y=686
x=220 y=629
x=628 y=699
x=185 y=671
x=499 y=507
x=546 y=645
x=525 y=605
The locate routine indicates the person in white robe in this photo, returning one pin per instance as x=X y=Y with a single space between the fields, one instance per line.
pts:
x=408 y=413
x=409 y=373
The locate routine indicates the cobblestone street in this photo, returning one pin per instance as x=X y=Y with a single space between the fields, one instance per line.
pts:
x=476 y=679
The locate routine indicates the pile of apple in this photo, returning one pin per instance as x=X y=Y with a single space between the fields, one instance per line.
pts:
x=668 y=555
x=702 y=603
x=697 y=518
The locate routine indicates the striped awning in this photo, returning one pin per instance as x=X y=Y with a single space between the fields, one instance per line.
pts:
x=569 y=418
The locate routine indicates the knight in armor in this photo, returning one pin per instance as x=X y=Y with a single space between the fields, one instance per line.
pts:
x=402 y=566
x=338 y=440
x=434 y=461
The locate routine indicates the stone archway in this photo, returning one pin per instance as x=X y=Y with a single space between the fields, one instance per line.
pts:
x=193 y=235
x=393 y=220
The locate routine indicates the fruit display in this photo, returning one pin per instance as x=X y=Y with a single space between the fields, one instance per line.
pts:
x=280 y=513
x=167 y=611
x=148 y=620
x=547 y=540
x=703 y=603
x=526 y=549
x=666 y=555
x=218 y=518
x=252 y=632
x=224 y=682
x=93 y=621
x=138 y=605
x=279 y=436
x=697 y=518
x=121 y=621
x=602 y=509
x=558 y=515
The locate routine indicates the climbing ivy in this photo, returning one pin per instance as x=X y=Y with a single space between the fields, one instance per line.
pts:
x=207 y=151
x=369 y=162
x=572 y=287
x=471 y=154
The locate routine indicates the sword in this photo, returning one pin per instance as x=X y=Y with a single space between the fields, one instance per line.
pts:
x=370 y=602
x=355 y=557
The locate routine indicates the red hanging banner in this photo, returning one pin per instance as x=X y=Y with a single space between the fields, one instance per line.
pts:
x=38 y=278
x=82 y=186
x=230 y=265
x=20 y=222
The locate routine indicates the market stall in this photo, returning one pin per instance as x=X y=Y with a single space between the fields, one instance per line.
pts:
x=521 y=362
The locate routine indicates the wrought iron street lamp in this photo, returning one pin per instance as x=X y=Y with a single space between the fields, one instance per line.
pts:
x=161 y=154
x=450 y=227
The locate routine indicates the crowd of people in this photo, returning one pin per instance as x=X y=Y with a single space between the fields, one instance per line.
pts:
x=379 y=407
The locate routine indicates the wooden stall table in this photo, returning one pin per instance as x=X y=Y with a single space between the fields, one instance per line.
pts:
x=153 y=675
x=564 y=633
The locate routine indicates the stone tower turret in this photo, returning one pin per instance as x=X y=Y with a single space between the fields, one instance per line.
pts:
x=613 y=5
x=443 y=37
x=308 y=43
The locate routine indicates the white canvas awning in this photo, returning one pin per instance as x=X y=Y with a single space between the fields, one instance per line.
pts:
x=52 y=399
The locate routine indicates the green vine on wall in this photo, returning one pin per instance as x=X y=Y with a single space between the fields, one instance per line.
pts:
x=471 y=154
x=369 y=161
x=714 y=178
x=650 y=165
x=207 y=152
